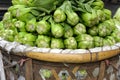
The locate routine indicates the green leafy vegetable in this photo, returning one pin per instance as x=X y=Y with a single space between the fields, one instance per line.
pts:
x=85 y=41
x=117 y=14
x=70 y=43
x=104 y=29
x=108 y=13
x=98 y=5
x=43 y=41
x=57 y=43
x=72 y=17
x=59 y=15
x=79 y=29
x=90 y=19
x=116 y=35
x=57 y=29
x=93 y=31
x=98 y=41
x=43 y=27
x=31 y=25
x=68 y=30
x=20 y=25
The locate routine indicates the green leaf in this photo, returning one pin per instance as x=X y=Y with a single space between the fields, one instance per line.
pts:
x=81 y=1
x=88 y=8
x=90 y=2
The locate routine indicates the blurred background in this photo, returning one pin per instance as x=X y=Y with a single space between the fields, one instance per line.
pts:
x=4 y=4
x=112 y=5
x=109 y=4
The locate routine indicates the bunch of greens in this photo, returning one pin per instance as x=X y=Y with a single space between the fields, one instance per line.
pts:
x=25 y=38
x=68 y=31
x=85 y=41
x=70 y=43
x=45 y=6
x=66 y=8
x=57 y=29
x=57 y=43
x=43 y=27
x=62 y=24
x=43 y=41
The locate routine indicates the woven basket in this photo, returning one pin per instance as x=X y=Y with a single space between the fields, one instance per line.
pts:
x=31 y=69
x=100 y=63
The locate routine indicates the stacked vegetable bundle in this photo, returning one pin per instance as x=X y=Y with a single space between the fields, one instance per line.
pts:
x=65 y=24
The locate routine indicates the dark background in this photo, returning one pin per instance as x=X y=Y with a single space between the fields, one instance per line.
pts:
x=109 y=4
x=4 y=4
x=112 y=5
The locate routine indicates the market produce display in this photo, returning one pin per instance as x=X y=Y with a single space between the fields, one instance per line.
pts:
x=61 y=24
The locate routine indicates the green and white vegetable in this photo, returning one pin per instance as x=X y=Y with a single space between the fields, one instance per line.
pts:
x=57 y=43
x=43 y=41
x=70 y=43
x=61 y=24
x=79 y=29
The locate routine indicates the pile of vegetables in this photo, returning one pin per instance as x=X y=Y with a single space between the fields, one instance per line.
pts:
x=62 y=24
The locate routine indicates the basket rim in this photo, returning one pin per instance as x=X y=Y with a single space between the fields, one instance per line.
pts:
x=76 y=58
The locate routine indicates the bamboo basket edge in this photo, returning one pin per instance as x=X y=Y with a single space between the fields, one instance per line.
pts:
x=71 y=58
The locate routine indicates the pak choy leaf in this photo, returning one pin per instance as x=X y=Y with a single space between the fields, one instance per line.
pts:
x=46 y=5
x=78 y=6
x=22 y=2
x=117 y=14
x=59 y=14
x=82 y=5
x=72 y=16
x=88 y=7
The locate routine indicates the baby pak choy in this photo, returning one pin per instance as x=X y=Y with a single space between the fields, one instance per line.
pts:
x=59 y=14
x=72 y=17
x=79 y=29
x=66 y=10
x=31 y=25
x=43 y=27
x=21 y=12
x=116 y=35
x=98 y=41
x=85 y=41
x=93 y=31
x=57 y=43
x=68 y=31
x=70 y=43
x=57 y=29
x=25 y=38
x=90 y=19
x=108 y=41
x=104 y=29
x=43 y=41
x=7 y=34
x=20 y=25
